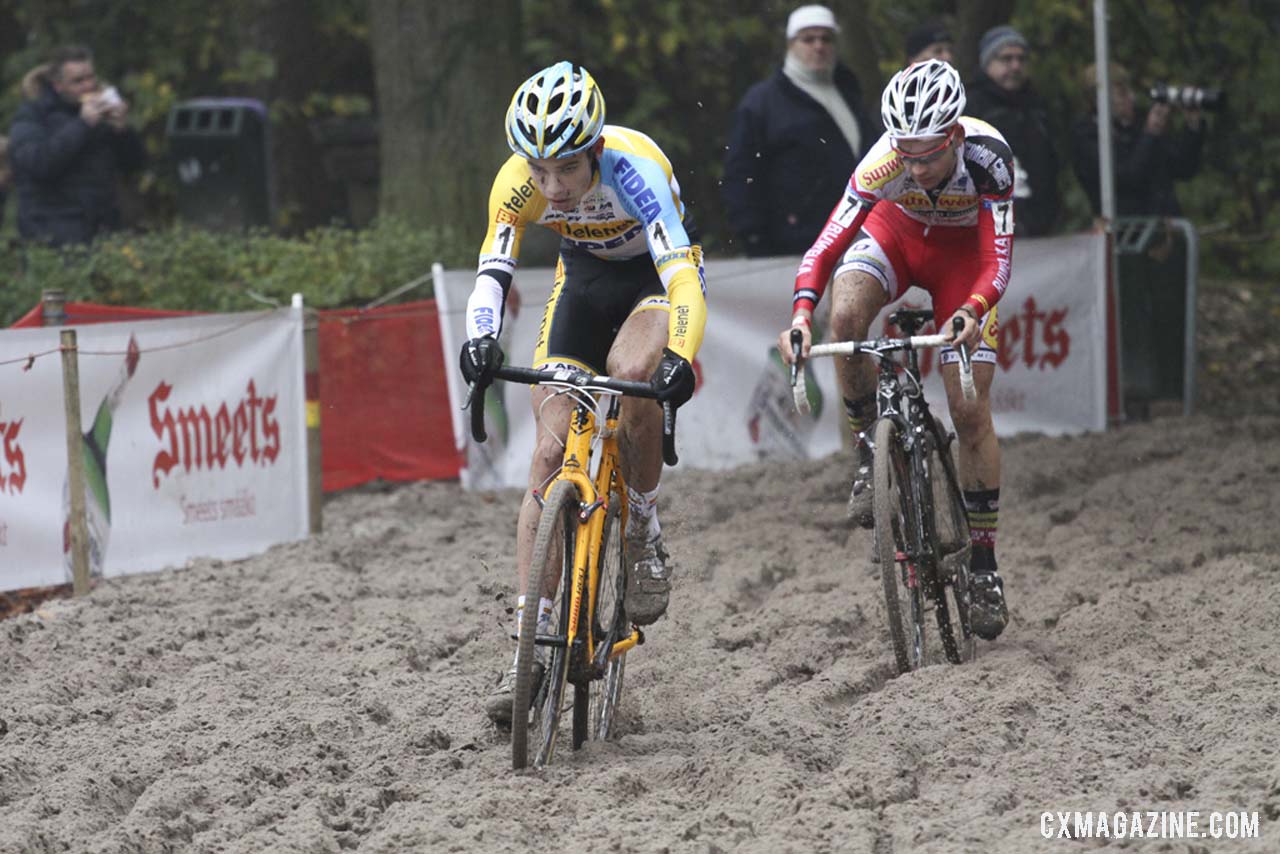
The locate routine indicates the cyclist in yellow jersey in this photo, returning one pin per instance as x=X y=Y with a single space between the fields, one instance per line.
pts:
x=628 y=301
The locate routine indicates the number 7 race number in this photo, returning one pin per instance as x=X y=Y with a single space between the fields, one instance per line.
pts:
x=1002 y=212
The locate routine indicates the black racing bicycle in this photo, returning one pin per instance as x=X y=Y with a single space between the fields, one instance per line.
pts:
x=921 y=528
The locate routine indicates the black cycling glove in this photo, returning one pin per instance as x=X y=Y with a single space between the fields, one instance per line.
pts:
x=674 y=379
x=479 y=359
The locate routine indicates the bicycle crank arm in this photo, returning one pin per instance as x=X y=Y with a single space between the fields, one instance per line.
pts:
x=546 y=640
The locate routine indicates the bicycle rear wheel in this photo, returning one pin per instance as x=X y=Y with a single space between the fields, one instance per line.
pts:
x=950 y=532
x=611 y=625
x=895 y=531
x=537 y=704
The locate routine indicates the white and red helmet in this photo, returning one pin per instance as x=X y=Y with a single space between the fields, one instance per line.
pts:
x=922 y=100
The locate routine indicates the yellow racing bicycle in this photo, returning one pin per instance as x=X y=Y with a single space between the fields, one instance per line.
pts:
x=579 y=554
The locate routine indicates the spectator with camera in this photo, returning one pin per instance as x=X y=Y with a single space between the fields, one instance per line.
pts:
x=69 y=142
x=795 y=139
x=1002 y=95
x=1149 y=154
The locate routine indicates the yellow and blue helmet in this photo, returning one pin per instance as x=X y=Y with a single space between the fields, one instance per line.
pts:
x=555 y=113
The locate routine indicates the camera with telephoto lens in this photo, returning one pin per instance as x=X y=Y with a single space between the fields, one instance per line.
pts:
x=1188 y=97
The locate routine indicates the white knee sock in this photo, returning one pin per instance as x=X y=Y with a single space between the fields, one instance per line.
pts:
x=642 y=517
x=544 y=614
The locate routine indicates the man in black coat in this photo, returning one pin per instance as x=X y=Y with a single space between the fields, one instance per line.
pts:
x=796 y=139
x=1149 y=154
x=68 y=144
x=1002 y=95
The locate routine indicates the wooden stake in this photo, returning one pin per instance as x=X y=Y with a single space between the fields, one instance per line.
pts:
x=315 y=468
x=75 y=465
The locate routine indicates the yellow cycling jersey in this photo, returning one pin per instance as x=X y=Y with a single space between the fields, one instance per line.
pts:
x=632 y=207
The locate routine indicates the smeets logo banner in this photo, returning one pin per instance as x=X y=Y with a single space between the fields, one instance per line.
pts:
x=193 y=438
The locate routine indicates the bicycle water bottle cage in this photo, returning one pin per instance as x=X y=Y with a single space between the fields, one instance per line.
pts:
x=910 y=320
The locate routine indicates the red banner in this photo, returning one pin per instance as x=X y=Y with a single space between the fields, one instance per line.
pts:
x=384 y=408
x=384 y=405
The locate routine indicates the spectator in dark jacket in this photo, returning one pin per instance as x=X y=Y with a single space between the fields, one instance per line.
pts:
x=1002 y=95
x=68 y=144
x=1147 y=154
x=796 y=138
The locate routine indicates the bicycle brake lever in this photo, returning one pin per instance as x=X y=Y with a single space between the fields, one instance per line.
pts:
x=967 y=387
x=669 y=434
x=798 y=385
x=477 y=411
x=797 y=347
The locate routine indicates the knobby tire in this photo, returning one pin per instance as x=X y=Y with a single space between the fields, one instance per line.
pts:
x=535 y=706
x=894 y=533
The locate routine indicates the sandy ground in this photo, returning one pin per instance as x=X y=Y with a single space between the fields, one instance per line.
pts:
x=326 y=696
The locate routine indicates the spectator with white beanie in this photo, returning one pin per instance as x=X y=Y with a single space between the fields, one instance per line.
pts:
x=796 y=137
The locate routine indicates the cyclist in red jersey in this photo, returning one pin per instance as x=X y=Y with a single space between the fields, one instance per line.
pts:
x=947 y=226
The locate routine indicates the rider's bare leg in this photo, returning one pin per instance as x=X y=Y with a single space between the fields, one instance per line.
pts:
x=979 y=448
x=634 y=356
x=552 y=425
x=980 y=481
x=856 y=299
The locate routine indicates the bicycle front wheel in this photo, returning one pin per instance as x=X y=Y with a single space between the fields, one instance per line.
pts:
x=537 y=702
x=895 y=534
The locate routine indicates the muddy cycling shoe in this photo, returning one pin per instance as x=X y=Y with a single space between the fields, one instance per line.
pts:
x=988 y=613
x=648 y=581
x=860 y=508
x=498 y=705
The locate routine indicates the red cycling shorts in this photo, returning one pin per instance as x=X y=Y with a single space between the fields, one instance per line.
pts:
x=898 y=252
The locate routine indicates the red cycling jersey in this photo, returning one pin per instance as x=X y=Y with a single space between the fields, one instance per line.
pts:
x=978 y=196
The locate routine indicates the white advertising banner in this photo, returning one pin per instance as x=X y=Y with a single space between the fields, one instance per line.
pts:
x=1050 y=377
x=194 y=442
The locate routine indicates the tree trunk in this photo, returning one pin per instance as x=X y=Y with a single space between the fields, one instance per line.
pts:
x=444 y=75
x=973 y=18
x=305 y=196
x=859 y=50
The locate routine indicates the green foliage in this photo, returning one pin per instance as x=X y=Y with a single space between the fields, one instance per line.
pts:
x=677 y=71
x=195 y=270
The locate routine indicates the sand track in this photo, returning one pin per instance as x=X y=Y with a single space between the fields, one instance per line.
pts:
x=325 y=696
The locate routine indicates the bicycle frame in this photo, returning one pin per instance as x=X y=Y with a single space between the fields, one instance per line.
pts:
x=906 y=405
x=587 y=552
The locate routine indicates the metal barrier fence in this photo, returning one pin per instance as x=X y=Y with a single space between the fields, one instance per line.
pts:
x=1149 y=302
